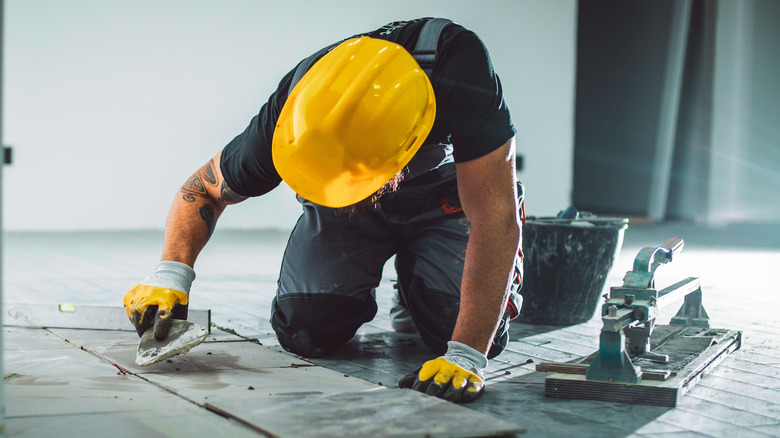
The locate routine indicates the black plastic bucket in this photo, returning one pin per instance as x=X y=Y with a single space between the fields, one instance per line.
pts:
x=566 y=265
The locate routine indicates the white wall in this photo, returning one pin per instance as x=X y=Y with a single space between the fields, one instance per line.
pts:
x=111 y=105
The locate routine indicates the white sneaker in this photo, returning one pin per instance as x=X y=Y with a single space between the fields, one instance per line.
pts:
x=400 y=317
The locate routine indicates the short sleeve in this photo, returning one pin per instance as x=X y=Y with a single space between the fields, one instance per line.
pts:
x=469 y=99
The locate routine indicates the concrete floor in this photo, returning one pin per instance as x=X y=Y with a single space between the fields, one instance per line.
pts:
x=241 y=383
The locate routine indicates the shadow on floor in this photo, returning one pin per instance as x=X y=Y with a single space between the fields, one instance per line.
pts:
x=385 y=357
x=521 y=400
x=382 y=358
x=519 y=330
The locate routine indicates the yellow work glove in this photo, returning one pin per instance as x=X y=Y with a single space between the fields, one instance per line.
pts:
x=457 y=376
x=160 y=298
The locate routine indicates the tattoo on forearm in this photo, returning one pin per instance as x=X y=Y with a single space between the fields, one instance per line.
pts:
x=209 y=173
x=227 y=195
x=193 y=189
x=210 y=217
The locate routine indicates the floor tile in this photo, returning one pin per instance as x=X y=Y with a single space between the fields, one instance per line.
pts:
x=27 y=396
x=22 y=338
x=121 y=348
x=150 y=422
x=383 y=413
x=237 y=279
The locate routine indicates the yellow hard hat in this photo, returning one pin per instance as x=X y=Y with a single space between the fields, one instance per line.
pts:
x=353 y=122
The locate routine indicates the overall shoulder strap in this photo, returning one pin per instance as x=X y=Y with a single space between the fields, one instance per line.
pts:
x=425 y=50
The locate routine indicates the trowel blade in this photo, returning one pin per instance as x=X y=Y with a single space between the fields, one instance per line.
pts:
x=182 y=337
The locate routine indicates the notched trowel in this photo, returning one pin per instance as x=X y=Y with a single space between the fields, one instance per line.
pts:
x=182 y=337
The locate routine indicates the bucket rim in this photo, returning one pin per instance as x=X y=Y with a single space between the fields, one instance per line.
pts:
x=617 y=222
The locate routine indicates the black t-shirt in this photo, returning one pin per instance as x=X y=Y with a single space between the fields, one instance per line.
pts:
x=470 y=111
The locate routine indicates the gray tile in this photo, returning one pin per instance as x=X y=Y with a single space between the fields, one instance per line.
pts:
x=121 y=348
x=57 y=363
x=550 y=342
x=768 y=429
x=21 y=338
x=259 y=386
x=59 y=381
x=542 y=352
x=658 y=428
x=696 y=423
x=27 y=396
x=744 y=416
x=218 y=335
x=384 y=357
x=678 y=434
x=748 y=374
x=167 y=421
x=387 y=413
x=738 y=399
x=237 y=276
x=521 y=399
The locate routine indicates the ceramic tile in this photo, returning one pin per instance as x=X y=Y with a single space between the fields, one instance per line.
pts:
x=236 y=278
x=121 y=348
x=21 y=338
x=258 y=386
x=386 y=413
x=112 y=391
x=150 y=422
x=59 y=363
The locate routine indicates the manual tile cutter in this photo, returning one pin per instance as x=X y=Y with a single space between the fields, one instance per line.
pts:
x=626 y=368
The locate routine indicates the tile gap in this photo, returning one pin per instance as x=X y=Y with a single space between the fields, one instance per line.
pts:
x=227 y=415
x=716 y=402
x=705 y=384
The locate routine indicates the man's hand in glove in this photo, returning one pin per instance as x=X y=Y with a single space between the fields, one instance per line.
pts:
x=456 y=376
x=160 y=298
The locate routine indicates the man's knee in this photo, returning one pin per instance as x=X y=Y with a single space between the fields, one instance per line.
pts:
x=312 y=325
x=434 y=312
x=301 y=343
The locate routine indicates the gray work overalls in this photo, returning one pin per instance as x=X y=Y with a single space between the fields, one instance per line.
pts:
x=333 y=263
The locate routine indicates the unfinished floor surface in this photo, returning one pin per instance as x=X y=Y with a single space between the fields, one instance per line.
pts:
x=66 y=381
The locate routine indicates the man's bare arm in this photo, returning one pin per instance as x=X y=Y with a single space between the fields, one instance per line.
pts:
x=488 y=194
x=194 y=213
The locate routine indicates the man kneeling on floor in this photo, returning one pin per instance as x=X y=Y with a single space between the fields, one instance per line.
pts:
x=397 y=142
